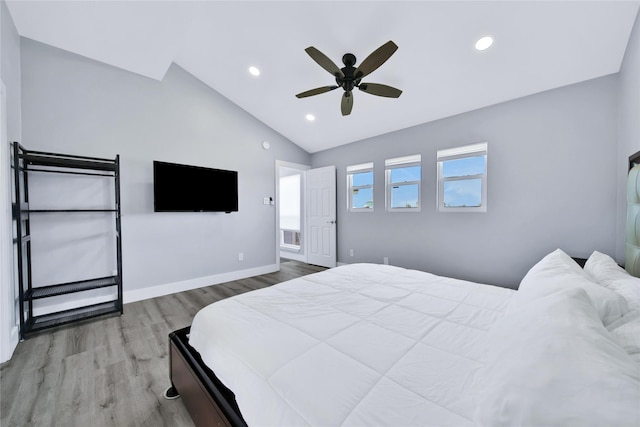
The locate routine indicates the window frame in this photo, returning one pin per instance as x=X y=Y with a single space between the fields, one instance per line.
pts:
x=356 y=169
x=401 y=163
x=462 y=152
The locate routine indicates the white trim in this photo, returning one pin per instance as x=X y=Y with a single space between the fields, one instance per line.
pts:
x=463 y=151
x=362 y=167
x=403 y=161
x=8 y=329
x=14 y=337
x=200 y=282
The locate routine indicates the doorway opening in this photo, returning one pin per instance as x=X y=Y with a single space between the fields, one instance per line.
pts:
x=290 y=200
x=306 y=214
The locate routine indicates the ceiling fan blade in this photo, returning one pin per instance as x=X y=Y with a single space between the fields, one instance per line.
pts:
x=316 y=91
x=347 y=103
x=380 y=90
x=376 y=59
x=324 y=61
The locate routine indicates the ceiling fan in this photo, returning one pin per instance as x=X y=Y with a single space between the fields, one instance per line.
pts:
x=350 y=77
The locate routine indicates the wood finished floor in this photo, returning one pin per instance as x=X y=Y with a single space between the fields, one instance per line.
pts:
x=113 y=371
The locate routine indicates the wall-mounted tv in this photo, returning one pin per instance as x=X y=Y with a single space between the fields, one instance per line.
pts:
x=184 y=188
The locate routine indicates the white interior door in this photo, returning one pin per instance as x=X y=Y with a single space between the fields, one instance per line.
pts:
x=321 y=216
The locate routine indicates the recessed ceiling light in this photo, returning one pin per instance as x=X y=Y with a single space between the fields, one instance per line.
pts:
x=254 y=71
x=484 y=43
x=311 y=117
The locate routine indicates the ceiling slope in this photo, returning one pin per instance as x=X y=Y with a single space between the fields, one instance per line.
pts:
x=538 y=46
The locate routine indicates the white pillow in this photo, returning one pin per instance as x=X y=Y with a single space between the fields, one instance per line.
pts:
x=605 y=271
x=558 y=271
x=628 y=336
x=554 y=364
x=630 y=290
x=629 y=317
x=626 y=332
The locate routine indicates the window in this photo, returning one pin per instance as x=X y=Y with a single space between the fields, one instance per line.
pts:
x=403 y=183
x=360 y=187
x=462 y=179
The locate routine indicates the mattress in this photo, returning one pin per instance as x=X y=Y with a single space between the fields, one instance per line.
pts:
x=361 y=344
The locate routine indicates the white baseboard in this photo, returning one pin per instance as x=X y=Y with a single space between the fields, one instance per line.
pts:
x=9 y=347
x=200 y=282
x=160 y=290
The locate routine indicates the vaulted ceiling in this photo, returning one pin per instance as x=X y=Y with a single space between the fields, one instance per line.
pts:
x=539 y=45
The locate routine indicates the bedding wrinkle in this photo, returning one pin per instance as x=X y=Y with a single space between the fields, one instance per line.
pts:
x=385 y=377
x=354 y=339
x=382 y=378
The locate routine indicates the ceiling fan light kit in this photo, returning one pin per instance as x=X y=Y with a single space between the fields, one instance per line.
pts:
x=349 y=77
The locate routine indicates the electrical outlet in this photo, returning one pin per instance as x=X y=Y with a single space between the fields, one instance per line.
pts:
x=240 y=256
x=350 y=252
x=385 y=260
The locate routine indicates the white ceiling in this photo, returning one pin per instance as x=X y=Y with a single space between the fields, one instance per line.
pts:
x=539 y=45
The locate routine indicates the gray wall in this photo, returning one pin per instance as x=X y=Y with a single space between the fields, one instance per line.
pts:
x=629 y=131
x=10 y=69
x=78 y=106
x=552 y=171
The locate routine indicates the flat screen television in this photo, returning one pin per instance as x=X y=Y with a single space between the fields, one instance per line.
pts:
x=184 y=188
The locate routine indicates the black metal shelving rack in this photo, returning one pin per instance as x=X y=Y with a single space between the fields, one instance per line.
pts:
x=26 y=162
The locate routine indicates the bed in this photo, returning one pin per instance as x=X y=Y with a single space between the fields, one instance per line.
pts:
x=368 y=344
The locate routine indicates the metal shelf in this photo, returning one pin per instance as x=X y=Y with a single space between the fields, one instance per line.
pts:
x=68 y=210
x=38 y=158
x=24 y=162
x=50 y=320
x=71 y=287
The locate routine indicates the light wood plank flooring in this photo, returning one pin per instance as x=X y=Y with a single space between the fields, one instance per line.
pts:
x=113 y=371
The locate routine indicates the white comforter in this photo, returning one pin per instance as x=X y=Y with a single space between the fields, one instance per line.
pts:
x=361 y=344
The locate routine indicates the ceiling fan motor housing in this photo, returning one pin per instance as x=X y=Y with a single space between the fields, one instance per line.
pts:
x=348 y=82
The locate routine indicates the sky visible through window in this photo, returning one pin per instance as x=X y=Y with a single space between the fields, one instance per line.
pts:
x=405 y=196
x=464 y=192
x=458 y=193
x=363 y=197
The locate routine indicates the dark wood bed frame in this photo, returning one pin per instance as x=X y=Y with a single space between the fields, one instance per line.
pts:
x=208 y=401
